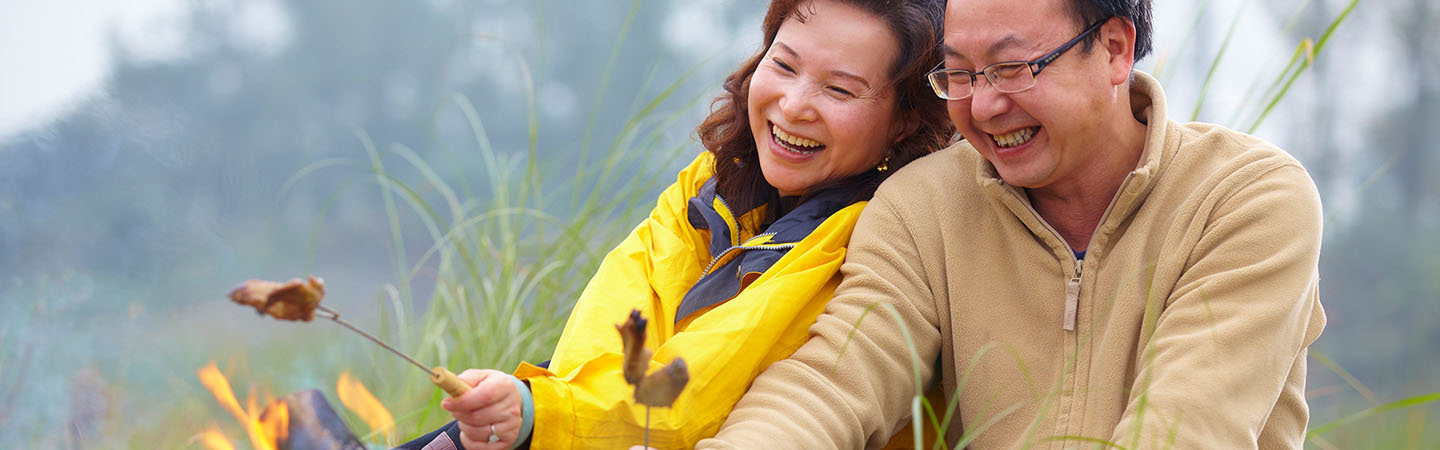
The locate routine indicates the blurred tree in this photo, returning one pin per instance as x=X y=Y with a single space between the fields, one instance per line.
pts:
x=177 y=167
x=1409 y=130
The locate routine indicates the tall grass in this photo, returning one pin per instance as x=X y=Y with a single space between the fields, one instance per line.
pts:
x=509 y=249
x=509 y=258
x=507 y=268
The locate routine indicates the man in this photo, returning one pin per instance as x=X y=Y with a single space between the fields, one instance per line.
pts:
x=1081 y=270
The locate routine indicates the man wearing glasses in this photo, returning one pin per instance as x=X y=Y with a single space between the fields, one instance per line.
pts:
x=1081 y=271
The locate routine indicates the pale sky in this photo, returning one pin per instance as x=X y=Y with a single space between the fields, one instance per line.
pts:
x=55 y=51
x=60 y=48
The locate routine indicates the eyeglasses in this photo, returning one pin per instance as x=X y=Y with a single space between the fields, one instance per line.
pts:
x=1008 y=77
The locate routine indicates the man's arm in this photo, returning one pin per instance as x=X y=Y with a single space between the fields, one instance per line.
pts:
x=849 y=386
x=1226 y=350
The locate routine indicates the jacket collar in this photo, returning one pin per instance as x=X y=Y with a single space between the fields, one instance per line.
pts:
x=1147 y=102
x=731 y=259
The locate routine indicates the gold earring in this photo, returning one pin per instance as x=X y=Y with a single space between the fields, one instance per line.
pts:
x=884 y=164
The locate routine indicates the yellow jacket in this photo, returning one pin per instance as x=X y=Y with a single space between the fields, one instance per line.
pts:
x=784 y=277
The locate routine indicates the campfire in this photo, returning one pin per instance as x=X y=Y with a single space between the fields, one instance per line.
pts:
x=297 y=421
x=304 y=420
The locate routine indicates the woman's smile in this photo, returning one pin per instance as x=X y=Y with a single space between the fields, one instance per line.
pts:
x=792 y=147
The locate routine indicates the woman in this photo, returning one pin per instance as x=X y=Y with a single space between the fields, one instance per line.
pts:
x=742 y=252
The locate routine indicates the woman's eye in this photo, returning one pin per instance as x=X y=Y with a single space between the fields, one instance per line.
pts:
x=783 y=66
x=841 y=91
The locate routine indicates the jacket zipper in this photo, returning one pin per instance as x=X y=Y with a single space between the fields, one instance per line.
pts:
x=1072 y=296
x=727 y=251
x=1072 y=286
x=735 y=230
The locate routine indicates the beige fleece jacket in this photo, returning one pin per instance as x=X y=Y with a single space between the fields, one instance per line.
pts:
x=1185 y=326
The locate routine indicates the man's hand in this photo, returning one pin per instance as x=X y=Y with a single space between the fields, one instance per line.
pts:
x=488 y=413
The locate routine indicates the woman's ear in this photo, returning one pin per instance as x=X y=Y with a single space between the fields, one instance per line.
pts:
x=904 y=126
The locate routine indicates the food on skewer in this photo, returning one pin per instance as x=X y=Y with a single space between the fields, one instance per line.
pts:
x=660 y=388
x=291 y=300
x=656 y=389
x=632 y=340
x=298 y=299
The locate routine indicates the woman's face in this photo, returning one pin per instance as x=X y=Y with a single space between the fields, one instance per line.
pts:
x=822 y=105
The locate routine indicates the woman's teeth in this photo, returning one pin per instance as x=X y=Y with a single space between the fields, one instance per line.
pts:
x=794 y=143
x=1015 y=138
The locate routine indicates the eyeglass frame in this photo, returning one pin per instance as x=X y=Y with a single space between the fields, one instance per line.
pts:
x=1036 y=65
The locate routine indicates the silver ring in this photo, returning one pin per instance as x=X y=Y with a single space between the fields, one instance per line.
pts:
x=493 y=437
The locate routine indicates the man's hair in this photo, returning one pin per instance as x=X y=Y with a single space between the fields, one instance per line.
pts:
x=726 y=131
x=1087 y=12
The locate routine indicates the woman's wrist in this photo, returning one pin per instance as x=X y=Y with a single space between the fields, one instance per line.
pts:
x=527 y=413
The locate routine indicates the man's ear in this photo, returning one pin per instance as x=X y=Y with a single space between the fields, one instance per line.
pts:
x=1117 y=38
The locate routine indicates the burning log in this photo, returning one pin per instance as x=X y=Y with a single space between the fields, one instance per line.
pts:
x=301 y=420
x=312 y=423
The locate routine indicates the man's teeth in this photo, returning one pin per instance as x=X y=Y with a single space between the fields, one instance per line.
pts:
x=801 y=145
x=1015 y=138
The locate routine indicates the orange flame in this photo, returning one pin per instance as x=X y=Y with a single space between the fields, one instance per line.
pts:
x=359 y=400
x=276 y=420
x=263 y=436
x=214 y=439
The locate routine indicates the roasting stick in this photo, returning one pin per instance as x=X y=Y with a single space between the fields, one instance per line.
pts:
x=439 y=375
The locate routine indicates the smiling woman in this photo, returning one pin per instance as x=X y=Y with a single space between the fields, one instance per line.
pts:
x=832 y=73
x=741 y=254
x=821 y=104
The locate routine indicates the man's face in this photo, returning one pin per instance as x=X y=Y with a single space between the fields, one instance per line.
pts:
x=1048 y=133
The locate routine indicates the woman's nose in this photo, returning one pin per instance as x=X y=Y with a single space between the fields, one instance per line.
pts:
x=796 y=104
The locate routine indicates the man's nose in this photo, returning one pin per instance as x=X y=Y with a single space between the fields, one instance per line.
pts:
x=986 y=102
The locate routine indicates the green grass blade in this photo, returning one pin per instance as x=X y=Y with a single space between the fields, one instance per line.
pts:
x=1374 y=176
x=1103 y=443
x=1344 y=375
x=1161 y=60
x=391 y=214
x=1311 y=53
x=306 y=171
x=915 y=419
x=605 y=84
x=1215 y=65
x=1419 y=400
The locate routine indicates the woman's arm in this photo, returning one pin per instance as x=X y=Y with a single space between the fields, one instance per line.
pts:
x=582 y=399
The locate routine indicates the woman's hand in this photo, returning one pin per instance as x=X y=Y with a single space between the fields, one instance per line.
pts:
x=488 y=413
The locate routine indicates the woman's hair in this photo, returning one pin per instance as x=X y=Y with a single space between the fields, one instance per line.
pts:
x=726 y=131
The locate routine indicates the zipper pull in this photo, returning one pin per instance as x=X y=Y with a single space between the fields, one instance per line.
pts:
x=1072 y=296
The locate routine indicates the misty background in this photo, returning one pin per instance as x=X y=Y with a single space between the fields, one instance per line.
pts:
x=155 y=153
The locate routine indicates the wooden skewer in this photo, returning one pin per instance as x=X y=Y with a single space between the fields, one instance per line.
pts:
x=442 y=377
